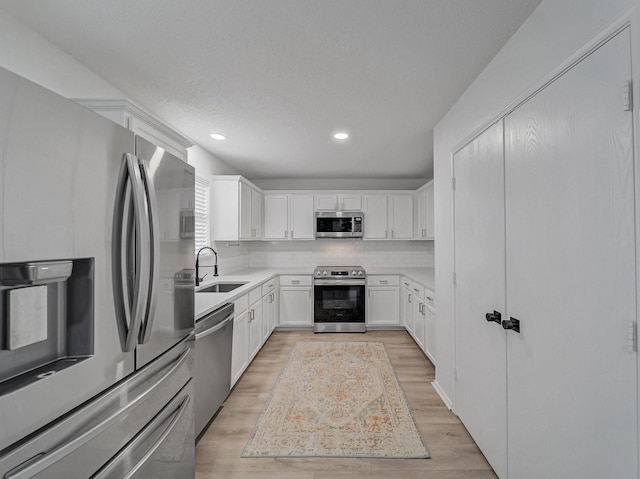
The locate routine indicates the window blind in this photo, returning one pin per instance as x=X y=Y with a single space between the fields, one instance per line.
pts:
x=202 y=213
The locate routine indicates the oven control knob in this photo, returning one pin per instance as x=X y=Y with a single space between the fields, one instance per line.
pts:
x=353 y=273
x=318 y=273
x=325 y=273
x=360 y=273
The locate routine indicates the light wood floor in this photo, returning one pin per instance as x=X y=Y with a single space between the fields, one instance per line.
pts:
x=453 y=453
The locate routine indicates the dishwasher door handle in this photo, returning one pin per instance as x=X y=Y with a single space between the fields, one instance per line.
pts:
x=217 y=327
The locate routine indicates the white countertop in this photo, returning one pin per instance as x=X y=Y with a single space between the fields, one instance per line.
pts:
x=206 y=303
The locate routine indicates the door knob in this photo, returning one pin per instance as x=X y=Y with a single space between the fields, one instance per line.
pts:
x=511 y=323
x=495 y=317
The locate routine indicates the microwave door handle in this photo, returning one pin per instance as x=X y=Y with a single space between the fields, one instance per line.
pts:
x=154 y=252
x=128 y=191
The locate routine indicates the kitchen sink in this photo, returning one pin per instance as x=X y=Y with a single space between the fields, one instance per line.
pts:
x=220 y=288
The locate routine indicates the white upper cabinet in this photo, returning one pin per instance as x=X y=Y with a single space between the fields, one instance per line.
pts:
x=425 y=219
x=339 y=202
x=388 y=216
x=401 y=216
x=375 y=217
x=288 y=217
x=236 y=209
x=126 y=114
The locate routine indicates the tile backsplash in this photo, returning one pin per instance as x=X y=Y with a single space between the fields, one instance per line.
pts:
x=302 y=254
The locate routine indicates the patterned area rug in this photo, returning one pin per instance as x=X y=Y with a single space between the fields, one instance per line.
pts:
x=337 y=399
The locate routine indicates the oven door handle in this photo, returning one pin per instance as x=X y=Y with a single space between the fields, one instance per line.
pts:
x=339 y=282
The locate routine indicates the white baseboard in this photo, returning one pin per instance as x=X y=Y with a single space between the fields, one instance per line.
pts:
x=442 y=394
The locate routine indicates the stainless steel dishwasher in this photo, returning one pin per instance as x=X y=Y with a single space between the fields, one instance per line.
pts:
x=214 y=337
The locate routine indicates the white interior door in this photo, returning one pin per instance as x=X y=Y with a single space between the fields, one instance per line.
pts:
x=481 y=390
x=571 y=275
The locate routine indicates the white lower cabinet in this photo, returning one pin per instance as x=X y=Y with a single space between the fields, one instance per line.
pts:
x=296 y=301
x=240 y=346
x=429 y=314
x=417 y=307
x=383 y=301
x=255 y=328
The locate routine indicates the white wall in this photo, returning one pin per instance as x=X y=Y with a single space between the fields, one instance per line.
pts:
x=30 y=55
x=206 y=164
x=370 y=254
x=553 y=33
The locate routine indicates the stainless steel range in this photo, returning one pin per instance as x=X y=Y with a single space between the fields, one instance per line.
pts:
x=339 y=299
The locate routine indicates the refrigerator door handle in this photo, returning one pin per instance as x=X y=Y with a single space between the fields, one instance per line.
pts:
x=154 y=252
x=40 y=462
x=129 y=313
x=108 y=470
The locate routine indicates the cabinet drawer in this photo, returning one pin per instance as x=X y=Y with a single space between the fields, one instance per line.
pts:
x=295 y=280
x=241 y=304
x=417 y=290
x=255 y=295
x=383 y=280
x=269 y=286
x=429 y=297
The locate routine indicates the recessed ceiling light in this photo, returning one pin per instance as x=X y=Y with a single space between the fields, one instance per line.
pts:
x=341 y=135
x=218 y=136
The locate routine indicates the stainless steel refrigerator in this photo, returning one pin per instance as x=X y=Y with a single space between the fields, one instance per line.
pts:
x=96 y=295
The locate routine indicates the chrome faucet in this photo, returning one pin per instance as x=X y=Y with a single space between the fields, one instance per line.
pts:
x=215 y=267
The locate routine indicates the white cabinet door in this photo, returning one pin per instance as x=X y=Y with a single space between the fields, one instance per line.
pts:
x=327 y=202
x=401 y=216
x=418 y=320
x=240 y=346
x=275 y=307
x=339 y=202
x=255 y=328
x=571 y=274
x=301 y=217
x=245 y=211
x=266 y=317
x=295 y=306
x=383 y=306
x=421 y=214
x=352 y=202
x=429 y=314
x=407 y=310
x=276 y=217
x=481 y=394
x=375 y=217
x=430 y=211
x=256 y=214
x=425 y=213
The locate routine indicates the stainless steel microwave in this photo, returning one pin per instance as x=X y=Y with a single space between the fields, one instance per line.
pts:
x=339 y=224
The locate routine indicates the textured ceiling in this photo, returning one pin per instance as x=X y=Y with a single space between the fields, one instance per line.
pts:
x=278 y=77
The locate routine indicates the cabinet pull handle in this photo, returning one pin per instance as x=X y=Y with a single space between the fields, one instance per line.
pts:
x=424 y=233
x=286 y=234
x=391 y=234
x=295 y=281
x=384 y=281
x=409 y=298
x=429 y=298
x=386 y=233
x=416 y=290
x=406 y=284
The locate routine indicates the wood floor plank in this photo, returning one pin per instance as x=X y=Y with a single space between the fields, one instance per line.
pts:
x=454 y=454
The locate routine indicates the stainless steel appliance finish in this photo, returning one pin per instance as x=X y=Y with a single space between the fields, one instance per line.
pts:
x=339 y=224
x=214 y=338
x=97 y=226
x=339 y=299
